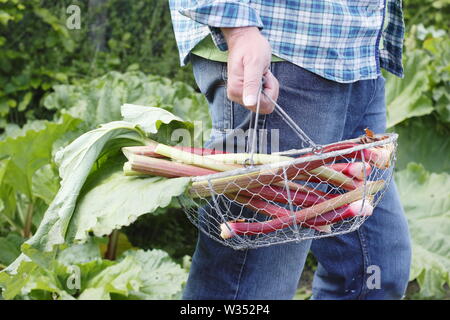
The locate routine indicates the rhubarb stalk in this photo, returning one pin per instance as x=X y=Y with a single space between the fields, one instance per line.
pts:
x=149 y=151
x=230 y=229
x=162 y=168
x=193 y=159
x=355 y=170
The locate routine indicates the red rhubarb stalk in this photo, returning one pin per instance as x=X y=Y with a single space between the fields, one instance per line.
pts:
x=355 y=170
x=230 y=229
x=254 y=179
x=377 y=156
x=357 y=208
x=148 y=151
x=321 y=223
x=278 y=194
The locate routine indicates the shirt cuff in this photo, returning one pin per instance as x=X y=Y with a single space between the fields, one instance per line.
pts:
x=223 y=14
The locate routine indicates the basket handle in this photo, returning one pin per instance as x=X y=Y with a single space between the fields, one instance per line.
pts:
x=315 y=148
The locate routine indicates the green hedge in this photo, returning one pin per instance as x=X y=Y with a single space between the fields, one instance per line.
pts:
x=37 y=50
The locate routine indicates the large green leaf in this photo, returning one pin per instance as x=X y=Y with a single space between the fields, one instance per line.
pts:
x=80 y=253
x=7 y=194
x=406 y=97
x=149 y=118
x=120 y=278
x=113 y=200
x=423 y=140
x=45 y=183
x=31 y=277
x=426 y=200
x=85 y=157
x=100 y=100
x=76 y=162
x=9 y=248
x=94 y=195
x=161 y=277
x=31 y=151
x=136 y=275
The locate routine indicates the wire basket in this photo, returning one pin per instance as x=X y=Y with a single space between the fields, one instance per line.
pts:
x=311 y=193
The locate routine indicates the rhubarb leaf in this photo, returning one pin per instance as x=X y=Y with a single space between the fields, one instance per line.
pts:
x=138 y=274
x=76 y=162
x=111 y=200
x=405 y=98
x=31 y=151
x=9 y=248
x=33 y=281
x=162 y=278
x=45 y=183
x=148 y=118
x=100 y=100
x=421 y=140
x=82 y=252
x=119 y=278
x=426 y=200
x=7 y=194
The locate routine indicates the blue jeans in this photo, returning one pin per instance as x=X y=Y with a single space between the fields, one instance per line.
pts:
x=327 y=111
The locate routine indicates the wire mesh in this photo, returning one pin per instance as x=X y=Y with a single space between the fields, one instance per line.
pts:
x=294 y=195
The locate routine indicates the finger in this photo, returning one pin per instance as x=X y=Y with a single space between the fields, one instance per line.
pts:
x=252 y=82
x=235 y=71
x=271 y=89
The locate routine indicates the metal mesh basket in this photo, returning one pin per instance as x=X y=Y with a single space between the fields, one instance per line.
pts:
x=315 y=192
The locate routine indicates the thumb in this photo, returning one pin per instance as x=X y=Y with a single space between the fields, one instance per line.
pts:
x=252 y=83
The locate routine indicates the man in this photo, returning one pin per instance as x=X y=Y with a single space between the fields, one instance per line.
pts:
x=321 y=61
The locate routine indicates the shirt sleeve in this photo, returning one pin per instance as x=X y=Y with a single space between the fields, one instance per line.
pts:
x=218 y=14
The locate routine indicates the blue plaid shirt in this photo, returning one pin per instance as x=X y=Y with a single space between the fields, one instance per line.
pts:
x=336 y=39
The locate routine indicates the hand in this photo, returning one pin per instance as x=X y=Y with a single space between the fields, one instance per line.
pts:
x=249 y=56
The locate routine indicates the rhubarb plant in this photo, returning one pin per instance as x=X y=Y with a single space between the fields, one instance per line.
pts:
x=91 y=179
x=79 y=272
x=426 y=200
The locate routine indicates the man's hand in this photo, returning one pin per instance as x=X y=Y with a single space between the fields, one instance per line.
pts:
x=248 y=62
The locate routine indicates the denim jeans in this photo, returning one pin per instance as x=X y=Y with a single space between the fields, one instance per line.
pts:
x=327 y=111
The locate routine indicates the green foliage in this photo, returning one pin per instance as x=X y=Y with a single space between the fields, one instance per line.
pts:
x=166 y=229
x=424 y=140
x=418 y=110
x=33 y=56
x=78 y=108
x=27 y=177
x=76 y=162
x=79 y=273
x=426 y=199
x=57 y=83
x=38 y=51
x=426 y=86
x=29 y=152
x=9 y=248
x=114 y=200
x=99 y=100
x=429 y=12
x=406 y=97
x=95 y=196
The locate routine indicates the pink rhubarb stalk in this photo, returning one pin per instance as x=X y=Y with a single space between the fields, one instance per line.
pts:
x=162 y=168
x=355 y=170
x=149 y=151
x=357 y=208
x=230 y=229
x=279 y=194
x=379 y=157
